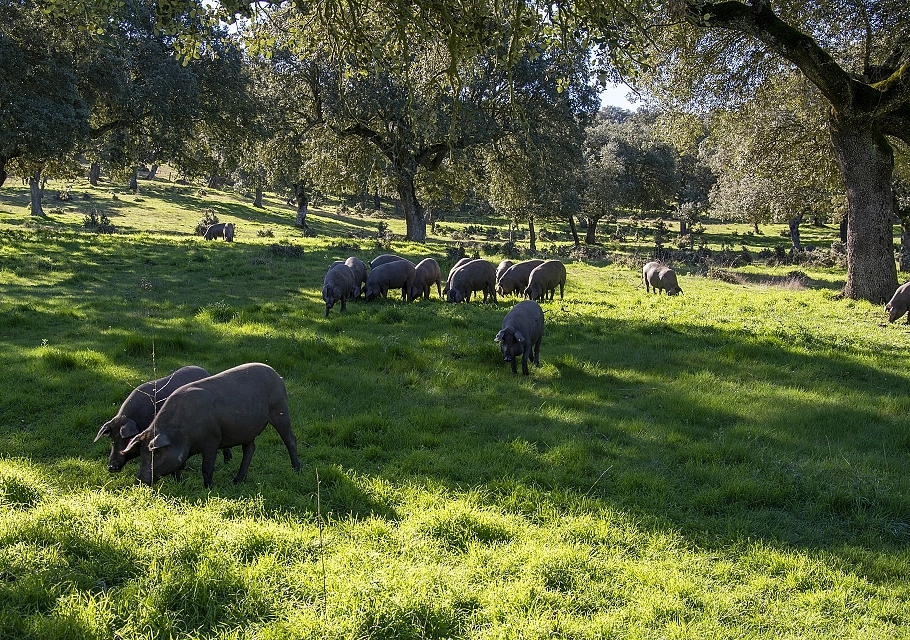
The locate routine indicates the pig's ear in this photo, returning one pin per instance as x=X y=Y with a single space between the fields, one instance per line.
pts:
x=498 y=337
x=519 y=336
x=159 y=441
x=129 y=429
x=104 y=430
x=135 y=442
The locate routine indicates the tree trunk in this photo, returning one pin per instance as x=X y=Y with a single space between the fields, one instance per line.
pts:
x=866 y=162
x=843 y=230
x=94 y=174
x=574 y=230
x=377 y=202
x=794 y=231
x=257 y=199
x=303 y=202
x=152 y=172
x=134 y=181
x=591 y=233
x=36 y=187
x=683 y=227
x=3 y=173
x=414 y=217
x=755 y=228
x=212 y=182
x=532 y=234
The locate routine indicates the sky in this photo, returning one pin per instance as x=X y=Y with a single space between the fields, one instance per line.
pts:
x=616 y=96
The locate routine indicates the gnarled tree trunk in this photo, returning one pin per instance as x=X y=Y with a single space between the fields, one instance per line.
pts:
x=591 y=233
x=94 y=174
x=36 y=189
x=414 y=215
x=302 y=197
x=866 y=162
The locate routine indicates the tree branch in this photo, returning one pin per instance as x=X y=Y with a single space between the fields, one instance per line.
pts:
x=759 y=20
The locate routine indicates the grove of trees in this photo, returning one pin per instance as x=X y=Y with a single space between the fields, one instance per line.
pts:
x=757 y=112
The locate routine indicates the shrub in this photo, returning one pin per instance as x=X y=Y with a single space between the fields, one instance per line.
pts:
x=98 y=224
x=208 y=218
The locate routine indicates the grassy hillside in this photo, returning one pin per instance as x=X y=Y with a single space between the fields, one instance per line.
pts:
x=732 y=462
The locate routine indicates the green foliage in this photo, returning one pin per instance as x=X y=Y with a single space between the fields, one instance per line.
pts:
x=729 y=462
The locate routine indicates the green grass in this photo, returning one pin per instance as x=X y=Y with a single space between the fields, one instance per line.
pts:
x=730 y=463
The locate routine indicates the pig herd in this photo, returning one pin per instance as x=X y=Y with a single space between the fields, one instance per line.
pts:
x=166 y=421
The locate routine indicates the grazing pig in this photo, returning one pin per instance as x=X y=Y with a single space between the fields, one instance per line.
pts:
x=544 y=279
x=427 y=272
x=899 y=303
x=660 y=277
x=360 y=274
x=476 y=275
x=515 y=278
x=225 y=410
x=221 y=230
x=338 y=284
x=458 y=265
x=384 y=259
x=138 y=410
x=522 y=332
x=502 y=268
x=398 y=274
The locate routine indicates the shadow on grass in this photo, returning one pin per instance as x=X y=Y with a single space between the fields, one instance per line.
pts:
x=718 y=433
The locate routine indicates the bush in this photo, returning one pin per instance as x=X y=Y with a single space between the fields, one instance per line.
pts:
x=98 y=224
x=208 y=218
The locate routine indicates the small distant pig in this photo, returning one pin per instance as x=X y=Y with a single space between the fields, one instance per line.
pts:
x=426 y=273
x=397 y=274
x=228 y=409
x=476 y=275
x=899 y=303
x=544 y=279
x=522 y=333
x=338 y=284
x=221 y=230
x=360 y=274
x=515 y=278
x=660 y=277
x=138 y=410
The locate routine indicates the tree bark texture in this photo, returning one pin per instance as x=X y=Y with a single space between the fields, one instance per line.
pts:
x=414 y=215
x=866 y=162
x=591 y=232
x=574 y=230
x=257 y=199
x=36 y=189
x=303 y=202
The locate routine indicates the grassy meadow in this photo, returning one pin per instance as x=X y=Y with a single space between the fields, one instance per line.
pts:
x=733 y=462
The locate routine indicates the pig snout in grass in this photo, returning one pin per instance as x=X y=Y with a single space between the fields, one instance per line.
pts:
x=515 y=278
x=476 y=275
x=426 y=273
x=228 y=409
x=396 y=274
x=138 y=410
x=338 y=284
x=899 y=303
x=660 y=277
x=544 y=279
x=521 y=335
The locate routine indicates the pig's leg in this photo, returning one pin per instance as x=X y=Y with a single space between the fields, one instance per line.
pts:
x=248 y=450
